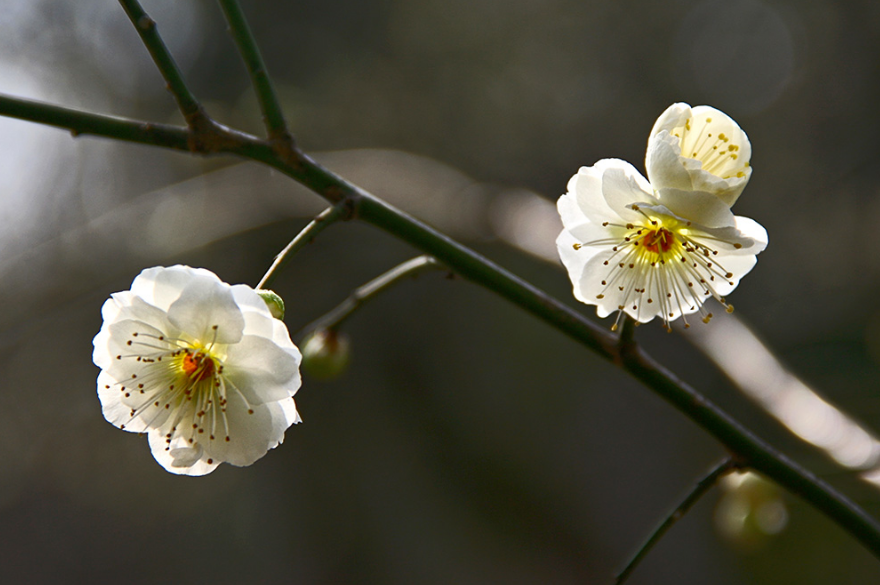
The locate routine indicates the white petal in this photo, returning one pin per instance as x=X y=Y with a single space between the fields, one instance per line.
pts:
x=738 y=266
x=250 y=435
x=181 y=459
x=665 y=166
x=161 y=285
x=671 y=118
x=262 y=370
x=112 y=407
x=205 y=308
x=752 y=229
x=697 y=206
x=574 y=260
x=623 y=185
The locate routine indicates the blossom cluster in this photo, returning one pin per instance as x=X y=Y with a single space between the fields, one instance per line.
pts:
x=661 y=246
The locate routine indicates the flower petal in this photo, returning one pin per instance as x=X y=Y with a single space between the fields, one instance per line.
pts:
x=263 y=371
x=251 y=435
x=697 y=206
x=181 y=459
x=206 y=310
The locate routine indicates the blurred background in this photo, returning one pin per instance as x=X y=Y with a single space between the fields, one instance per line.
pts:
x=467 y=443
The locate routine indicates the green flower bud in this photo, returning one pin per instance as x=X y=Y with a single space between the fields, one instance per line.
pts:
x=274 y=302
x=325 y=354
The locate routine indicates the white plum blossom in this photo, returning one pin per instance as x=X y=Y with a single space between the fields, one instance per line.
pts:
x=699 y=149
x=662 y=248
x=198 y=365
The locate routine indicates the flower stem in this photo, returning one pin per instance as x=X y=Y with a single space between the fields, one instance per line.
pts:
x=324 y=219
x=273 y=116
x=146 y=28
x=626 y=337
x=409 y=269
x=701 y=487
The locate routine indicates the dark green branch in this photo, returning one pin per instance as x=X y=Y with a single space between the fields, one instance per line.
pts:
x=79 y=122
x=686 y=504
x=146 y=28
x=273 y=116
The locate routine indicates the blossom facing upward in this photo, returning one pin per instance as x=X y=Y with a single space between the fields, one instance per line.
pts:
x=198 y=365
x=699 y=149
x=662 y=249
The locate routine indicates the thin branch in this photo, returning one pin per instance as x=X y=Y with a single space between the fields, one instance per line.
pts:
x=273 y=116
x=701 y=487
x=749 y=450
x=80 y=122
x=310 y=232
x=146 y=27
x=409 y=269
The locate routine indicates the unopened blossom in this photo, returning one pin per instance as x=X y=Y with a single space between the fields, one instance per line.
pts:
x=699 y=149
x=200 y=366
x=648 y=251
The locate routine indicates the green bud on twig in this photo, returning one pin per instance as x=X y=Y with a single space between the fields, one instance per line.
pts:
x=325 y=354
x=274 y=302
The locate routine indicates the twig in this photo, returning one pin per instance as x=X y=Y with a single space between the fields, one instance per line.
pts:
x=409 y=269
x=308 y=233
x=146 y=27
x=273 y=116
x=701 y=487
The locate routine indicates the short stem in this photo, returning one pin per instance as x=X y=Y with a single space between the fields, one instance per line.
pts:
x=702 y=486
x=273 y=116
x=626 y=337
x=310 y=232
x=409 y=269
x=146 y=28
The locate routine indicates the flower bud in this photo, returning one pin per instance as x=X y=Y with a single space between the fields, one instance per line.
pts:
x=325 y=354
x=750 y=511
x=274 y=302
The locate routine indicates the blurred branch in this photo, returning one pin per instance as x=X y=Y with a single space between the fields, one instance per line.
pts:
x=746 y=449
x=309 y=233
x=409 y=269
x=273 y=116
x=146 y=27
x=701 y=487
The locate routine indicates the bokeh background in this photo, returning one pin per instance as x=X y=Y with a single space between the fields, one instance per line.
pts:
x=467 y=443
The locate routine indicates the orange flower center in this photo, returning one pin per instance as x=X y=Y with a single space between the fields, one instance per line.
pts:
x=659 y=241
x=198 y=366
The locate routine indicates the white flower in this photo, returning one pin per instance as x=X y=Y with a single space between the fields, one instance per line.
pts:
x=698 y=149
x=630 y=249
x=200 y=366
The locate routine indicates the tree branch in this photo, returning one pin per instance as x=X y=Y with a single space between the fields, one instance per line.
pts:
x=146 y=27
x=273 y=116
